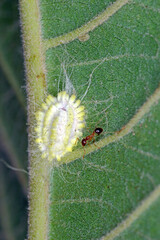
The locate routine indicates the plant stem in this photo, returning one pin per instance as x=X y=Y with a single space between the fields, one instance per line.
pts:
x=36 y=89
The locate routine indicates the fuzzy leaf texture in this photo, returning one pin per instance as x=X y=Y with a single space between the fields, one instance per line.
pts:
x=115 y=72
x=107 y=53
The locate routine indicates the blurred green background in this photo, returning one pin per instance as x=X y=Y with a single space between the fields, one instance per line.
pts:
x=13 y=128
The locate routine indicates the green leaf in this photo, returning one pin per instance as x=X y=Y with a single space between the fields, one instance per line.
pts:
x=107 y=53
x=148 y=220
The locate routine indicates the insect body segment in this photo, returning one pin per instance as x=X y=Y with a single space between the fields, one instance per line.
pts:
x=97 y=131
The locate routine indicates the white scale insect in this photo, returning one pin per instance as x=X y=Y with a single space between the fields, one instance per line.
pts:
x=59 y=125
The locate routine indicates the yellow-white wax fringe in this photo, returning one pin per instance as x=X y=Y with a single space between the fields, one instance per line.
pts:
x=59 y=125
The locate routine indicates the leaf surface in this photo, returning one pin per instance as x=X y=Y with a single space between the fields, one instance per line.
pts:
x=114 y=73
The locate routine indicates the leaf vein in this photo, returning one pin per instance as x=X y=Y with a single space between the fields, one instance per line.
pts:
x=83 y=30
x=146 y=203
x=154 y=98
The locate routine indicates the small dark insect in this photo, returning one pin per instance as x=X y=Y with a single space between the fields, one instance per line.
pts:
x=97 y=131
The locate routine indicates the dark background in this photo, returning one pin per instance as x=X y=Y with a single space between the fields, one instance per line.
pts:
x=13 y=127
